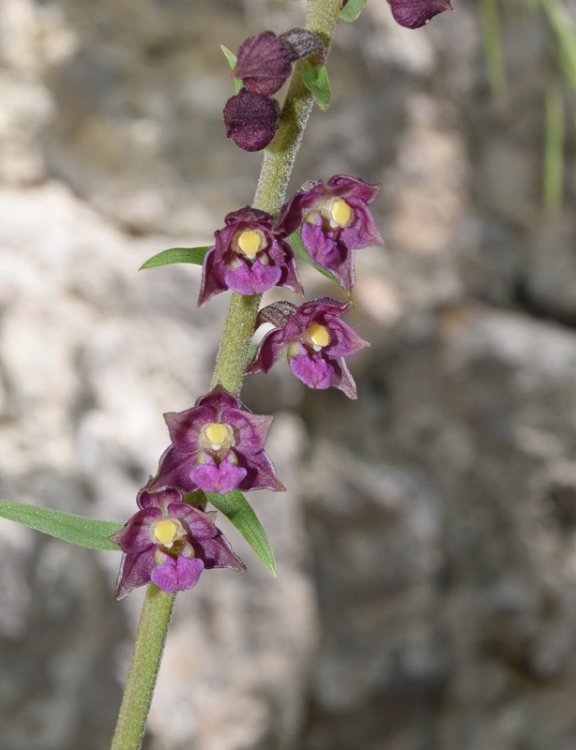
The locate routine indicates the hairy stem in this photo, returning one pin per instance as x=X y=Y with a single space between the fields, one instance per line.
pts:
x=148 y=648
x=231 y=363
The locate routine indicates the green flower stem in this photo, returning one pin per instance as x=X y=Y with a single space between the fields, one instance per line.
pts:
x=276 y=170
x=148 y=648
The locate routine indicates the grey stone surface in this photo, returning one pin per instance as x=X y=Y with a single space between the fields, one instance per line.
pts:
x=426 y=545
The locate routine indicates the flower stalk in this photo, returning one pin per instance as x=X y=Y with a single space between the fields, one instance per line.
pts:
x=229 y=372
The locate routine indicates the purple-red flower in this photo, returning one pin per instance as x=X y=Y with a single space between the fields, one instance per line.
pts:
x=169 y=543
x=316 y=341
x=248 y=257
x=265 y=60
x=335 y=222
x=416 y=13
x=217 y=446
x=251 y=120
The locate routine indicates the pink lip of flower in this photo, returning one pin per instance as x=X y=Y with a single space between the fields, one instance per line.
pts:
x=169 y=543
x=416 y=13
x=335 y=222
x=317 y=342
x=248 y=257
x=217 y=446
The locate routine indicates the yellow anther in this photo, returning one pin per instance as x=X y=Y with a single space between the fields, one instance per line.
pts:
x=319 y=335
x=340 y=212
x=216 y=434
x=250 y=242
x=166 y=532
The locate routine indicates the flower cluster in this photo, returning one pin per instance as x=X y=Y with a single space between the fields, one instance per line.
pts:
x=217 y=446
x=264 y=64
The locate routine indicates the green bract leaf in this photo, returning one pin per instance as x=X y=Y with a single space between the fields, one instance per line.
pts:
x=87 y=532
x=295 y=241
x=194 y=255
x=351 y=11
x=232 y=61
x=315 y=79
x=235 y=507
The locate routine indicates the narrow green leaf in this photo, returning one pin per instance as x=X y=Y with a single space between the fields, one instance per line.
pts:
x=315 y=79
x=351 y=11
x=194 y=255
x=235 y=507
x=295 y=241
x=230 y=56
x=87 y=532
x=232 y=61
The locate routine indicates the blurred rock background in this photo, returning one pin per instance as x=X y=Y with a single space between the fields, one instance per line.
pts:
x=427 y=544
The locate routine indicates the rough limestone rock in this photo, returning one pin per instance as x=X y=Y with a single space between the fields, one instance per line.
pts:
x=426 y=545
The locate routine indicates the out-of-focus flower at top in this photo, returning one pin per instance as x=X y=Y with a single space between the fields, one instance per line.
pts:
x=217 y=446
x=316 y=340
x=169 y=543
x=335 y=222
x=248 y=257
x=416 y=13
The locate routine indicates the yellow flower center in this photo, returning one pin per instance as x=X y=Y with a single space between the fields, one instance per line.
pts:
x=216 y=434
x=340 y=212
x=167 y=531
x=250 y=242
x=319 y=335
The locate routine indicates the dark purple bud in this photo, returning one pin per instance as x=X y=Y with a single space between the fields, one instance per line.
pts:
x=251 y=120
x=264 y=63
x=416 y=13
x=302 y=43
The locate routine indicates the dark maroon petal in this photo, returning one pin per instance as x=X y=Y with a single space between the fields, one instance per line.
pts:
x=251 y=120
x=184 y=426
x=416 y=13
x=250 y=430
x=175 y=470
x=134 y=571
x=293 y=211
x=344 y=186
x=199 y=524
x=264 y=63
x=221 y=478
x=134 y=536
x=217 y=553
x=212 y=278
x=250 y=217
x=261 y=474
x=219 y=399
x=344 y=340
x=343 y=380
x=177 y=575
x=269 y=350
x=252 y=278
x=302 y=43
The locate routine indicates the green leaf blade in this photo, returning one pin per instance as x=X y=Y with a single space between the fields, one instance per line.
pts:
x=351 y=11
x=173 y=255
x=315 y=78
x=85 y=532
x=239 y=511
